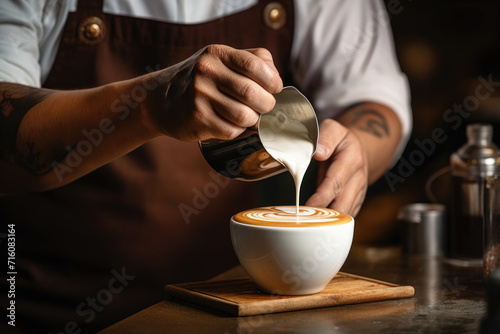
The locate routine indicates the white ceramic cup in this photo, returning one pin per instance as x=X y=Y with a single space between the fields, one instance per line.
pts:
x=287 y=254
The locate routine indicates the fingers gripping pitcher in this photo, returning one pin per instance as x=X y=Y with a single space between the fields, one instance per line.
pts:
x=251 y=156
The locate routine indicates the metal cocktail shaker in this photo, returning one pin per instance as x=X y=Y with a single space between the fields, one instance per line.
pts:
x=245 y=158
x=473 y=166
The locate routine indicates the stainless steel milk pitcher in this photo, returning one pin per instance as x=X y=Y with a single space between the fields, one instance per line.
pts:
x=245 y=157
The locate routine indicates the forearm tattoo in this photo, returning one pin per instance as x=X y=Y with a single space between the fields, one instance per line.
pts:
x=372 y=122
x=15 y=102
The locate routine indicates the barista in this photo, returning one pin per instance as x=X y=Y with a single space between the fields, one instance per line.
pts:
x=98 y=140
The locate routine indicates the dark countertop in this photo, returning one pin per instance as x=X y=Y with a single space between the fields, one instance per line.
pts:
x=448 y=299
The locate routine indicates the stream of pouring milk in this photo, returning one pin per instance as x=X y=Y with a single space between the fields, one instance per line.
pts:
x=288 y=141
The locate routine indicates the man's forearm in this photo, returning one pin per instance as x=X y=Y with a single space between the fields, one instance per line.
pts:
x=49 y=138
x=379 y=131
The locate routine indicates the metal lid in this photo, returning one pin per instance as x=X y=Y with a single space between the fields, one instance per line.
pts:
x=415 y=212
x=479 y=156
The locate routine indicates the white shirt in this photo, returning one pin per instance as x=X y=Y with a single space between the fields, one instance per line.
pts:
x=342 y=51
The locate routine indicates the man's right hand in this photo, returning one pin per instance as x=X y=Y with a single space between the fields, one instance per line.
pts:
x=216 y=93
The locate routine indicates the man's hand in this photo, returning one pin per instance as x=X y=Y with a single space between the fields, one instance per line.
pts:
x=343 y=169
x=216 y=93
x=354 y=152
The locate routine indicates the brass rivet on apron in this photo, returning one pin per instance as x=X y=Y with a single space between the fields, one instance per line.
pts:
x=91 y=30
x=274 y=15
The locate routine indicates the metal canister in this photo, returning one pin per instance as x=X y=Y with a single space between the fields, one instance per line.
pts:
x=424 y=229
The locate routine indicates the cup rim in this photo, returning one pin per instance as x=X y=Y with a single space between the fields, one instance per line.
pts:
x=338 y=217
x=299 y=227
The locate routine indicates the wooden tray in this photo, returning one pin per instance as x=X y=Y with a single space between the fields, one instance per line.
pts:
x=240 y=297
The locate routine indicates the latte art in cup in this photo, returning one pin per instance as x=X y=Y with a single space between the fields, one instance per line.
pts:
x=289 y=254
x=285 y=216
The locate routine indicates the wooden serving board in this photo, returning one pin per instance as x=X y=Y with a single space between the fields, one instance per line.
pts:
x=240 y=296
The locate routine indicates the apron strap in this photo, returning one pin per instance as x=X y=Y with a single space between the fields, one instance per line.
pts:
x=94 y=5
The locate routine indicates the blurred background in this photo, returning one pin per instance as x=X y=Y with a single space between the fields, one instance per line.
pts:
x=450 y=52
x=447 y=49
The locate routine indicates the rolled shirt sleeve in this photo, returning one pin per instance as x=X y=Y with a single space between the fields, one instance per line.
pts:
x=344 y=54
x=29 y=35
x=20 y=32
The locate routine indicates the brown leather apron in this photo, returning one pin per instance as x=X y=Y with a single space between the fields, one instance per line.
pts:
x=126 y=217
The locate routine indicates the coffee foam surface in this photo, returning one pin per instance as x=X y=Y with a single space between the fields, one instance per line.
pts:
x=286 y=216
